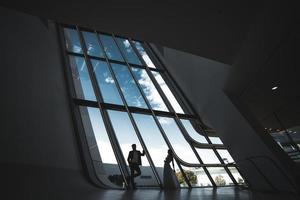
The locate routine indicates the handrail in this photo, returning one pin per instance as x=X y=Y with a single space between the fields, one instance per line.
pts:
x=251 y=160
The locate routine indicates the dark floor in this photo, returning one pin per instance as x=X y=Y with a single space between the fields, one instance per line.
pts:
x=22 y=182
x=196 y=193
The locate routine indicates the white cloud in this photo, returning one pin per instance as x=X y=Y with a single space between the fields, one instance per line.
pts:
x=168 y=93
x=150 y=91
x=76 y=48
x=164 y=120
x=109 y=80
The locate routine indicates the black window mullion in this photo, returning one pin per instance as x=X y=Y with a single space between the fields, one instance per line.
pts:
x=175 y=89
x=204 y=133
x=185 y=134
x=76 y=113
x=157 y=86
x=107 y=123
x=184 y=174
x=237 y=168
x=188 y=106
x=226 y=168
x=74 y=54
x=133 y=121
x=129 y=114
x=161 y=93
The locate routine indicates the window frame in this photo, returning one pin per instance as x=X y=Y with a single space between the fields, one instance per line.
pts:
x=103 y=107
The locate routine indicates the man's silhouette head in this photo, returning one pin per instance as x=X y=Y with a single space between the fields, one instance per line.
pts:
x=133 y=146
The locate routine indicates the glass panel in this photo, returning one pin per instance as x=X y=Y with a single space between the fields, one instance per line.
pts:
x=157 y=148
x=149 y=89
x=196 y=175
x=128 y=86
x=225 y=155
x=180 y=145
x=92 y=44
x=93 y=117
x=288 y=140
x=208 y=156
x=220 y=176
x=126 y=136
x=215 y=140
x=72 y=40
x=192 y=132
x=167 y=92
x=81 y=79
x=237 y=176
x=106 y=83
x=100 y=147
x=111 y=48
x=128 y=51
x=143 y=53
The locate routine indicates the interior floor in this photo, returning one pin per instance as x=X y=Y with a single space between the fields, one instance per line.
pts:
x=21 y=181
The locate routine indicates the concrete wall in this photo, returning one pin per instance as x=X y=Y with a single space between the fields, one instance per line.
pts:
x=39 y=156
x=37 y=127
x=202 y=81
x=214 y=89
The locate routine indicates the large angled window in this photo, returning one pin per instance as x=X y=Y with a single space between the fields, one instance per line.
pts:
x=123 y=95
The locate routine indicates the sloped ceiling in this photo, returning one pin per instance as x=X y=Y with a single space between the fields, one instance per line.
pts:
x=211 y=29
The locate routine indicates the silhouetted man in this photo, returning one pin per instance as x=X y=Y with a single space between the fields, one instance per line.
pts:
x=134 y=160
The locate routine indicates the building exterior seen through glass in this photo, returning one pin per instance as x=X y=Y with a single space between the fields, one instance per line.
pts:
x=125 y=96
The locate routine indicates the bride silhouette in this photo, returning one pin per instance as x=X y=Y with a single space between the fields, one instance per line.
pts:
x=170 y=179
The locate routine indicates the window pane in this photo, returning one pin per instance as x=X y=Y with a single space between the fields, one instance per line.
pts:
x=92 y=44
x=111 y=48
x=180 y=145
x=93 y=117
x=215 y=140
x=237 y=176
x=143 y=54
x=72 y=40
x=128 y=86
x=225 y=155
x=149 y=89
x=128 y=51
x=220 y=176
x=208 y=156
x=167 y=92
x=106 y=83
x=81 y=79
x=126 y=136
x=196 y=175
x=102 y=154
x=156 y=147
x=192 y=132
